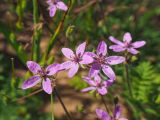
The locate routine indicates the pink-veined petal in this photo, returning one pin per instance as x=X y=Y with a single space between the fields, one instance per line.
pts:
x=114 y=40
x=73 y=70
x=66 y=65
x=117 y=48
x=47 y=87
x=113 y=60
x=133 y=51
x=97 y=79
x=86 y=59
x=88 y=89
x=62 y=6
x=31 y=82
x=52 y=10
x=127 y=37
x=102 y=90
x=102 y=115
x=91 y=54
x=105 y=83
x=52 y=69
x=80 y=49
x=68 y=53
x=138 y=44
x=109 y=72
x=110 y=82
x=96 y=66
x=89 y=81
x=33 y=67
x=102 y=48
x=93 y=72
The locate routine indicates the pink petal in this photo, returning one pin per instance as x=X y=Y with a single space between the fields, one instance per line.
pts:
x=88 y=89
x=109 y=72
x=138 y=44
x=117 y=48
x=33 y=67
x=52 y=10
x=114 y=40
x=96 y=66
x=89 y=81
x=73 y=70
x=113 y=60
x=46 y=84
x=97 y=79
x=60 y=5
x=80 y=49
x=86 y=59
x=91 y=54
x=127 y=37
x=133 y=51
x=102 y=48
x=93 y=72
x=102 y=90
x=102 y=114
x=52 y=69
x=68 y=53
x=105 y=83
x=66 y=65
x=31 y=82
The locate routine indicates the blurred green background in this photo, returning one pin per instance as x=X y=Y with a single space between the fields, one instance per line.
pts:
x=87 y=20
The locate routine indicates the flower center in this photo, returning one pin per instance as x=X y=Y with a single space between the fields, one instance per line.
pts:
x=100 y=59
x=43 y=73
x=77 y=58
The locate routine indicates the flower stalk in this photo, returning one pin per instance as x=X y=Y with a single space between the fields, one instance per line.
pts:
x=52 y=107
x=126 y=67
x=103 y=101
x=64 y=107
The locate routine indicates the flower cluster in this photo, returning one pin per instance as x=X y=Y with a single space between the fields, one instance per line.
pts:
x=98 y=62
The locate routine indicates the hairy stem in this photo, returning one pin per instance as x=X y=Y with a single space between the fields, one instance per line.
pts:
x=65 y=109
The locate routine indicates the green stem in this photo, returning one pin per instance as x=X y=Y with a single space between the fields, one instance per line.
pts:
x=13 y=80
x=128 y=79
x=36 y=35
x=52 y=108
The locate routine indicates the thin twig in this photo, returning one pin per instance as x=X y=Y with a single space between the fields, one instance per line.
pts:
x=29 y=95
x=65 y=109
x=102 y=98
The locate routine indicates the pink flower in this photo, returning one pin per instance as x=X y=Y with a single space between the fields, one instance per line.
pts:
x=40 y=74
x=126 y=44
x=102 y=115
x=54 y=5
x=75 y=59
x=102 y=61
x=96 y=83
